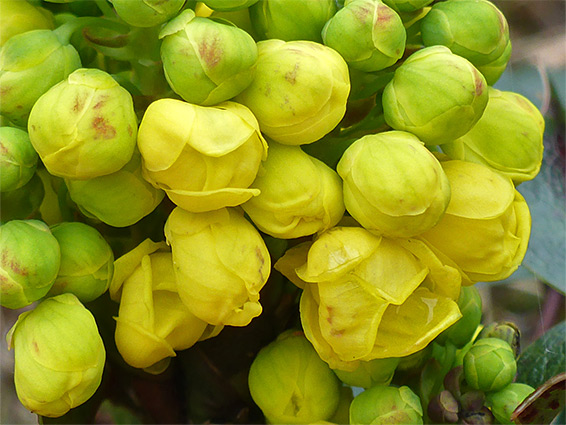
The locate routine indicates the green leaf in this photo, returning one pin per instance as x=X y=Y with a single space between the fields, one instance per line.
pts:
x=544 y=358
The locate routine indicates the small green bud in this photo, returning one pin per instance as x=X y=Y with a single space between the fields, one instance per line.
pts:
x=299 y=195
x=507 y=138
x=21 y=16
x=30 y=64
x=147 y=13
x=23 y=202
x=368 y=34
x=29 y=262
x=291 y=384
x=370 y=373
x=470 y=304
x=206 y=62
x=459 y=100
x=504 y=402
x=507 y=331
x=489 y=365
x=382 y=405
x=18 y=159
x=119 y=199
x=443 y=408
x=85 y=126
x=59 y=356
x=290 y=20
x=87 y=261
x=473 y=29
x=407 y=5
x=229 y=5
x=393 y=185
x=492 y=71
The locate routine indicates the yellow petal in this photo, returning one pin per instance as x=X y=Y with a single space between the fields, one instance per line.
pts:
x=410 y=327
x=291 y=261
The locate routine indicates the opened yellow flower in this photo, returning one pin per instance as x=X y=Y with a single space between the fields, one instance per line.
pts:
x=201 y=165
x=152 y=322
x=367 y=297
x=486 y=227
x=221 y=264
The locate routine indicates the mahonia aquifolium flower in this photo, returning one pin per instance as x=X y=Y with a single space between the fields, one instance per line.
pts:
x=367 y=297
x=299 y=92
x=221 y=264
x=206 y=62
x=201 y=166
x=492 y=217
x=368 y=34
x=291 y=384
x=29 y=262
x=299 y=195
x=393 y=185
x=59 y=356
x=152 y=321
x=84 y=126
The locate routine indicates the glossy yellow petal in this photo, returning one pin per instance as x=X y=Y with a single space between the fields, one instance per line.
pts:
x=410 y=327
x=293 y=258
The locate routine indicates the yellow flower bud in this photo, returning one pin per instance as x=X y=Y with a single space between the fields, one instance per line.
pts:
x=487 y=224
x=393 y=185
x=202 y=166
x=300 y=195
x=221 y=264
x=59 y=356
x=299 y=92
x=367 y=297
x=152 y=322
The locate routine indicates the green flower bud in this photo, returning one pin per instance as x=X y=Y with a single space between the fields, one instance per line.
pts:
x=85 y=126
x=147 y=13
x=119 y=199
x=489 y=365
x=407 y=5
x=30 y=64
x=382 y=405
x=393 y=185
x=59 y=356
x=29 y=262
x=436 y=95
x=229 y=5
x=21 y=16
x=507 y=138
x=23 y=202
x=369 y=374
x=492 y=71
x=18 y=159
x=368 y=34
x=299 y=195
x=87 y=261
x=443 y=408
x=206 y=62
x=504 y=402
x=461 y=332
x=201 y=165
x=299 y=92
x=473 y=29
x=226 y=292
x=507 y=331
x=291 y=384
x=479 y=417
x=291 y=19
